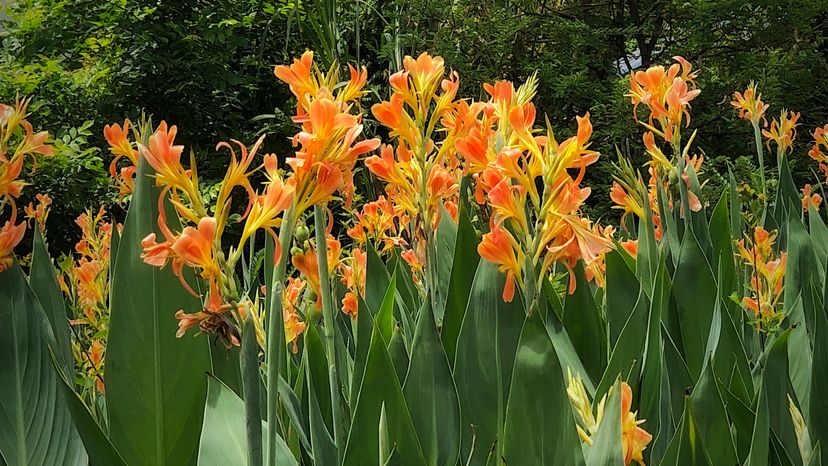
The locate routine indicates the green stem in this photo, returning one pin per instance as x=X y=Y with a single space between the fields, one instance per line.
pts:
x=251 y=386
x=328 y=317
x=276 y=334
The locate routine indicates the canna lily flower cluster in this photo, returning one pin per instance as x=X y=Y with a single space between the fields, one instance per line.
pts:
x=18 y=142
x=767 y=278
x=197 y=244
x=782 y=132
x=331 y=124
x=39 y=213
x=634 y=439
x=749 y=104
x=353 y=272
x=422 y=172
x=667 y=94
x=818 y=151
x=85 y=282
x=532 y=226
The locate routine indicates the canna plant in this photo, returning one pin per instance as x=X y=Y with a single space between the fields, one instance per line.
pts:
x=470 y=314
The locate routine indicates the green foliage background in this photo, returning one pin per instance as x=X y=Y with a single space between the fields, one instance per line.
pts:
x=207 y=67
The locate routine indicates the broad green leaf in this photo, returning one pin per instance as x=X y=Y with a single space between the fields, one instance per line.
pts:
x=539 y=429
x=560 y=339
x=398 y=354
x=788 y=201
x=44 y=283
x=223 y=441
x=779 y=389
x=606 y=449
x=694 y=288
x=722 y=239
x=815 y=415
x=322 y=444
x=583 y=324
x=378 y=390
x=431 y=395
x=317 y=371
x=654 y=402
x=226 y=364
x=446 y=241
x=625 y=361
x=35 y=422
x=362 y=332
x=711 y=419
x=377 y=280
x=95 y=441
x=759 y=445
x=463 y=270
x=483 y=366
x=384 y=319
x=622 y=294
x=819 y=237
x=148 y=369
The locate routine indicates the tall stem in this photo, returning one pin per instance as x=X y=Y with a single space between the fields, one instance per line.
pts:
x=328 y=317
x=251 y=382
x=276 y=334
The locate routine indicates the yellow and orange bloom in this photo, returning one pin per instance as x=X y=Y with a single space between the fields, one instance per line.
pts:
x=353 y=270
x=819 y=149
x=10 y=236
x=767 y=278
x=39 y=213
x=307 y=264
x=667 y=93
x=18 y=141
x=121 y=148
x=749 y=104
x=499 y=247
x=782 y=131
x=810 y=200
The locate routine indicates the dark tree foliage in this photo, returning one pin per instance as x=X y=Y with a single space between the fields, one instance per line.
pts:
x=206 y=65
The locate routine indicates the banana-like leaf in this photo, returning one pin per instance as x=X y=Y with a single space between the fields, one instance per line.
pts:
x=398 y=354
x=148 y=370
x=463 y=269
x=223 y=440
x=694 y=288
x=432 y=396
x=779 y=390
x=539 y=429
x=711 y=421
x=760 y=441
x=445 y=243
x=817 y=421
x=622 y=294
x=44 y=283
x=626 y=360
x=97 y=445
x=583 y=324
x=35 y=423
x=379 y=392
x=377 y=279
x=486 y=350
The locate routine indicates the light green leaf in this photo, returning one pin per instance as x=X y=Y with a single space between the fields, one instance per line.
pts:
x=539 y=429
x=432 y=396
x=35 y=422
x=148 y=369
x=223 y=441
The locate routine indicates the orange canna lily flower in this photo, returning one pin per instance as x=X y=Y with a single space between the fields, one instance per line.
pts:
x=809 y=199
x=10 y=237
x=195 y=246
x=499 y=247
x=298 y=75
x=10 y=186
x=749 y=104
x=163 y=155
x=782 y=131
x=634 y=439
